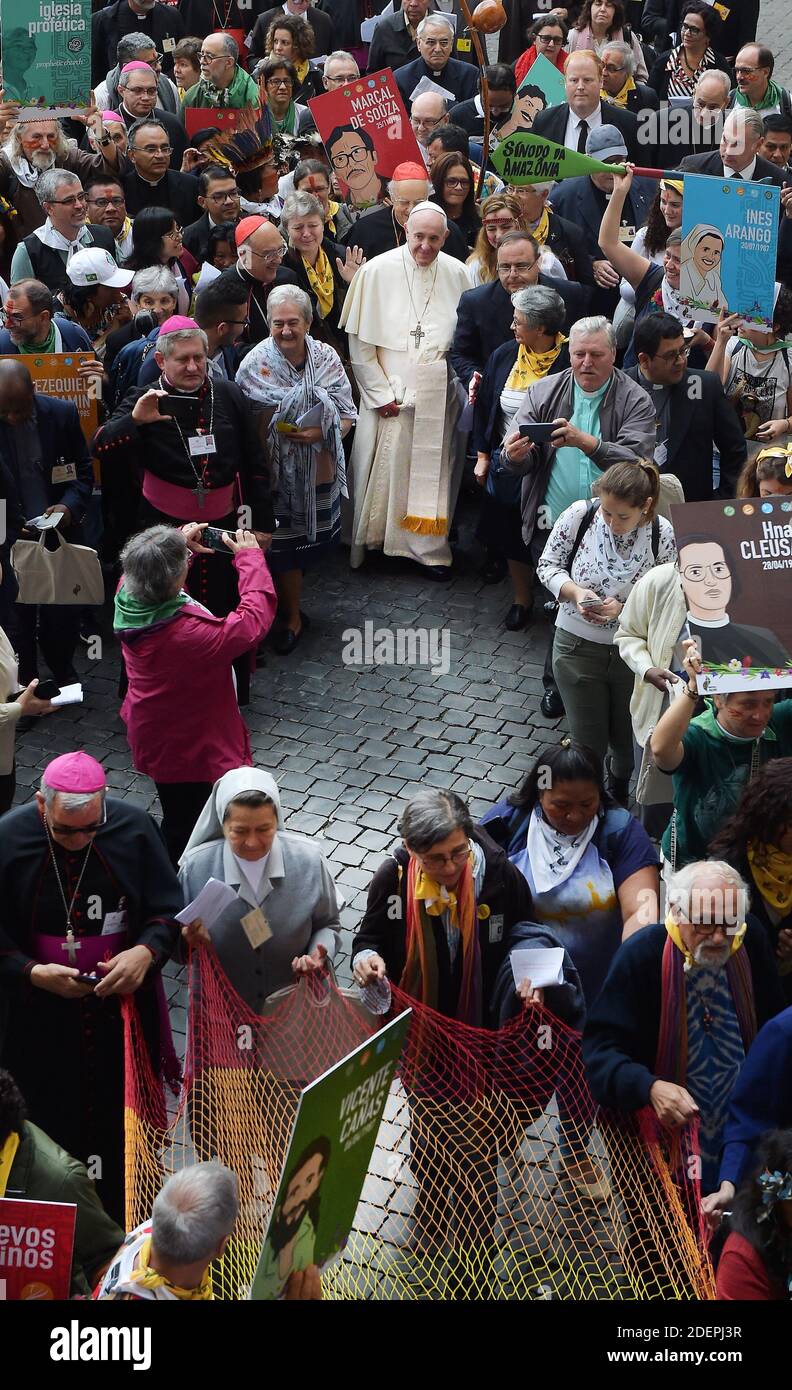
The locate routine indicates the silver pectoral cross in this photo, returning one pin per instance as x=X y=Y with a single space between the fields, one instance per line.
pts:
x=199 y=491
x=71 y=947
x=418 y=334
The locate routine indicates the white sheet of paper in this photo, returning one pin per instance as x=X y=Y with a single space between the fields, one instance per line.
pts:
x=310 y=418
x=70 y=695
x=212 y=900
x=427 y=85
x=542 y=965
x=45 y=523
x=208 y=273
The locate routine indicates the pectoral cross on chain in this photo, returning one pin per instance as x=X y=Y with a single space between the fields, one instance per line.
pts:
x=71 y=947
x=417 y=333
x=199 y=491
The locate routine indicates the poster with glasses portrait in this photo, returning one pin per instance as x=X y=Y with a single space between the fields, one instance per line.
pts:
x=729 y=247
x=367 y=133
x=735 y=561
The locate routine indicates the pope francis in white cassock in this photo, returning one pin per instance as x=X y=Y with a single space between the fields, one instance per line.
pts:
x=407 y=459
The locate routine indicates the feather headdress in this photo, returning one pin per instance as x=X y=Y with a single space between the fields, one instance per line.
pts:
x=249 y=145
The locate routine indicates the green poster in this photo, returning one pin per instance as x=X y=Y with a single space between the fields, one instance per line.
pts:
x=334 y=1133
x=46 y=49
x=545 y=76
x=524 y=158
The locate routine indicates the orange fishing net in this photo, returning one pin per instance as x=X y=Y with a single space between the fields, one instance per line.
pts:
x=468 y=1193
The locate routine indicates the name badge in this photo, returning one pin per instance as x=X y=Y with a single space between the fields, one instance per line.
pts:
x=626 y=233
x=495 y=928
x=113 y=922
x=463 y=45
x=256 y=927
x=64 y=473
x=202 y=444
x=168 y=45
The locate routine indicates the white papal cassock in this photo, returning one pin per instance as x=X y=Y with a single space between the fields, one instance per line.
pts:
x=406 y=468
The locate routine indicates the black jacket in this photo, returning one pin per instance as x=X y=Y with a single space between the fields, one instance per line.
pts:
x=62 y=441
x=486 y=414
x=375 y=233
x=176 y=191
x=567 y=241
x=322 y=25
x=48 y=263
x=713 y=164
x=580 y=202
x=484 y=318
x=257 y=303
x=659 y=76
x=701 y=417
x=459 y=78
x=326 y=329
x=384 y=927
x=552 y=124
x=196 y=238
x=660 y=19
x=621 y=1034
x=115 y=21
x=392 y=45
x=175 y=128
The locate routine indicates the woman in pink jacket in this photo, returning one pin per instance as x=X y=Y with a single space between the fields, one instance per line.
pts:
x=183 y=721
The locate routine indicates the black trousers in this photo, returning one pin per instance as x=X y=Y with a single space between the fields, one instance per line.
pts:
x=55 y=628
x=182 y=803
x=7 y=789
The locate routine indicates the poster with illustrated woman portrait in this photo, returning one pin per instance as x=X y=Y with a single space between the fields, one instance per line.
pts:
x=729 y=246
x=367 y=133
x=735 y=562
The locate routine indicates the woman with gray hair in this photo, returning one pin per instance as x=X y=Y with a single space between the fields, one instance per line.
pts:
x=539 y=348
x=154 y=297
x=181 y=713
x=323 y=268
x=305 y=384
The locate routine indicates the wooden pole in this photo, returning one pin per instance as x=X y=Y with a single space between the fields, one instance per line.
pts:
x=481 y=58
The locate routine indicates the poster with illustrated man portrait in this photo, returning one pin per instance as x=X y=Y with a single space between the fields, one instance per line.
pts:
x=735 y=565
x=367 y=133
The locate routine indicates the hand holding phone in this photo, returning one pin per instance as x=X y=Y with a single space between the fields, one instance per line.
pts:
x=213 y=537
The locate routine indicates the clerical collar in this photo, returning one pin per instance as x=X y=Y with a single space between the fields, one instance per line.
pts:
x=149 y=182
x=165 y=385
x=709 y=622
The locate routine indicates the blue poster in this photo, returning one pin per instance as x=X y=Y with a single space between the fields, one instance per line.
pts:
x=729 y=247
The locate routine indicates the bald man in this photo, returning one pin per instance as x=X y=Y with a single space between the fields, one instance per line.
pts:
x=407 y=459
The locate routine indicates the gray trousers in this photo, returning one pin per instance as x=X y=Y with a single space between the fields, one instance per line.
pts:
x=596 y=688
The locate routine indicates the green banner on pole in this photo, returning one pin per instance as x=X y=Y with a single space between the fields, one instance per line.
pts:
x=46 y=47
x=524 y=158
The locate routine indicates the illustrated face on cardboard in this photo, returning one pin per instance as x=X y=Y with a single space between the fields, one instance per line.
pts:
x=706 y=578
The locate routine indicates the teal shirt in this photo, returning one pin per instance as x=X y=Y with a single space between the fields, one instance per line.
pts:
x=573 y=473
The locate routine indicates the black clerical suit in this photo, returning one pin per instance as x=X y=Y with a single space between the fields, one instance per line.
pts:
x=176 y=191
x=461 y=79
x=700 y=418
x=258 y=327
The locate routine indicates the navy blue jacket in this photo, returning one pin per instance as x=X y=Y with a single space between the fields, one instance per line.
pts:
x=580 y=202
x=487 y=409
x=62 y=441
x=75 y=338
x=484 y=317
x=623 y=1027
x=762 y=1097
x=459 y=78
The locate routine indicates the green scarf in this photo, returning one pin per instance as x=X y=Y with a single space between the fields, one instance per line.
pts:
x=134 y=613
x=288 y=124
x=767 y=347
x=242 y=92
x=707 y=721
x=772 y=97
x=47 y=346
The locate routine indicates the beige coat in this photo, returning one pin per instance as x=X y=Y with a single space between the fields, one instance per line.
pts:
x=10 y=710
x=649 y=625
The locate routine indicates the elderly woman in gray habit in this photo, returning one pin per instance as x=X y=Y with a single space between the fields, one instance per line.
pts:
x=285 y=922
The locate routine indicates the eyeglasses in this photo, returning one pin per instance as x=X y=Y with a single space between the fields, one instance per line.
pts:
x=423 y=122
x=142 y=91
x=72 y=200
x=357 y=156
x=611 y=67
x=695 y=574
x=67 y=830
x=439 y=861
x=691 y=29
x=230 y=197
x=107 y=202
x=279 y=82
x=457 y=183
x=270 y=257
x=550 y=40
x=521 y=266
x=341 y=77
x=745 y=72
x=152 y=149
x=212 y=57
x=674 y=355
x=242 y=323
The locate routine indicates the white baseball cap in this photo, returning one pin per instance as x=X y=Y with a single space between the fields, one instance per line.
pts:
x=93 y=266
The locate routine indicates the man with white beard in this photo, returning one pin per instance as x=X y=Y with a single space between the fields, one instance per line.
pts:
x=30 y=148
x=407 y=460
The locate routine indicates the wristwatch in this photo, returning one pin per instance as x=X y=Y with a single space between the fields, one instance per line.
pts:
x=105 y=140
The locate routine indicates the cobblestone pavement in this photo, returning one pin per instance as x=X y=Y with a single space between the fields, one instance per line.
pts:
x=347 y=744
x=775 y=29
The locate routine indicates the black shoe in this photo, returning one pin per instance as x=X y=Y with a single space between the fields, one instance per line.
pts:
x=441 y=574
x=25 y=723
x=551 y=704
x=517 y=617
x=285 y=641
x=493 y=571
x=619 y=787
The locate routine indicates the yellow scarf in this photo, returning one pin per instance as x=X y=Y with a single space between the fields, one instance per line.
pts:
x=672 y=927
x=532 y=366
x=7 y=1156
x=332 y=209
x=320 y=278
x=620 y=98
x=539 y=232
x=772 y=873
x=148 y=1278
x=302 y=71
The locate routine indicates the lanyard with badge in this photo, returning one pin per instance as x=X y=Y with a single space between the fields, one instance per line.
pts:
x=199 y=446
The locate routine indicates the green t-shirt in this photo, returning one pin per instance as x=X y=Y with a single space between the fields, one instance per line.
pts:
x=708 y=782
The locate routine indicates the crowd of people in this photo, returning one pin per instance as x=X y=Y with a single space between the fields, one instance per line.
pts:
x=292 y=353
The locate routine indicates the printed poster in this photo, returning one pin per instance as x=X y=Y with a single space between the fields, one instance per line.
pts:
x=57 y=374
x=36 y=1245
x=202 y=117
x=46 y=47
x=334 y=1133
x=523 y=158
x=729 y=248
x=367 y=133
x=735 y=560
x=542 y=86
